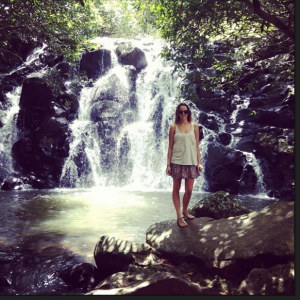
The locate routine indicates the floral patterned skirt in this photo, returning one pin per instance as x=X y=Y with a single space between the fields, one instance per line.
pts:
x=184 y=172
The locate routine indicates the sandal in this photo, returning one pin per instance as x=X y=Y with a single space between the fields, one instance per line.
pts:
x=188 y=216
x=182 y=226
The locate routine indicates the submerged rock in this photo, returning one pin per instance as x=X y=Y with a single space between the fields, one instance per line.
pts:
x=81 y=275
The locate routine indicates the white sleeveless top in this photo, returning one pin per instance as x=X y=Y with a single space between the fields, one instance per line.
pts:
x=184 y=149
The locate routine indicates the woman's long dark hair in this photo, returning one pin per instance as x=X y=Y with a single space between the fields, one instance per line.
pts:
x=177 y=118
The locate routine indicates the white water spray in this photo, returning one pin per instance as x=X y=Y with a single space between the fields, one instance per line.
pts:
x=141 y=146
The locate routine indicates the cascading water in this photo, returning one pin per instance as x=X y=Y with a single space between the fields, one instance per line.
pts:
x=8 y=114
x=139 y=144
x=251 y=160
x=8 y=131
x=121 y=137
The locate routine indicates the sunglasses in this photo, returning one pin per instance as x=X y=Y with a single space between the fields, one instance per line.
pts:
x=183 y=112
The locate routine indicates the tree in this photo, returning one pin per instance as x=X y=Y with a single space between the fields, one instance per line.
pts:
x=124 y=20
x=65 y=26
x=259 y=30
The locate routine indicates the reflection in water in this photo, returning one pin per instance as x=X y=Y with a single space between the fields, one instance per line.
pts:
x=45 y=231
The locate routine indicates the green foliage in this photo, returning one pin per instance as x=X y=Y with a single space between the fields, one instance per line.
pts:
x=123 y=19
x=259 y=30
x=65 y=26
x=252 y=32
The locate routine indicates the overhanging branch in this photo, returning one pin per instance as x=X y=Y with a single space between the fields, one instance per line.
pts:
x=255 y=5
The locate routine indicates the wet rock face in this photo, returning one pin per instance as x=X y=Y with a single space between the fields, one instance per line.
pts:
x=43 y=121
x=4 y=173
x=208 y=121
x=223 y=169
x=95 y=63
x=269 y=112
x=225 y=138
x=12 y=183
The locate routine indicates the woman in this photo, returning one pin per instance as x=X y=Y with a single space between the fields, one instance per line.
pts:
x=184 y=160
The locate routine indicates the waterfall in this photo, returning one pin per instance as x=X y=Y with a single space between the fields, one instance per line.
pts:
x=8 y=131
x=251 y=160
x=8 y=114
x=125 y=142
x=140 y=142
x=120 y=138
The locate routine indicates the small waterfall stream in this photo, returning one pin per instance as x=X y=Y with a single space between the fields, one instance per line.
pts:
x=251 y=160
x=8 y=114
x=8 y=132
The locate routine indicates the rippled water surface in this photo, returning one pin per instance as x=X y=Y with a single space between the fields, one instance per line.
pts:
x=44 y=231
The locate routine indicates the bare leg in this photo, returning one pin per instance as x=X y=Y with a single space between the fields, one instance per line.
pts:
x=189 y=183
x=176 y=197
x=176 y=202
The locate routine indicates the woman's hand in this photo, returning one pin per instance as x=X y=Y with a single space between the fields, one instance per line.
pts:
x=168 y=170
x=200 y=168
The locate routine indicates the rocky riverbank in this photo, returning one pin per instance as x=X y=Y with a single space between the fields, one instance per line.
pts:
x=226 y=250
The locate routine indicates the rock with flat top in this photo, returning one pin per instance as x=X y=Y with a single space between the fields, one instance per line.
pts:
x=230 y=247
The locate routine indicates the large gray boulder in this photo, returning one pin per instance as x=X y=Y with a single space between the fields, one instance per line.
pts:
x=230 y=247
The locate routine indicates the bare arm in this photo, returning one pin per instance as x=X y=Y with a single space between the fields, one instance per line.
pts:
x=170 y=148
x=199 y=165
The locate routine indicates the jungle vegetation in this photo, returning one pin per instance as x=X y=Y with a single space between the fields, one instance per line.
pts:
x=252 y=31
x=66 y=26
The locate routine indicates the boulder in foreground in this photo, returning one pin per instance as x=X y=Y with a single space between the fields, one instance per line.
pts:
x=230 y=247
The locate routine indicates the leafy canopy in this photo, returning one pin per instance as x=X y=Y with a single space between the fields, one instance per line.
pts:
x=66 y=26
x=252 y=31
x=63 y=25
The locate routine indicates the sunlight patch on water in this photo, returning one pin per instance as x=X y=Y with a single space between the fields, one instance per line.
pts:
x=76 y=218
